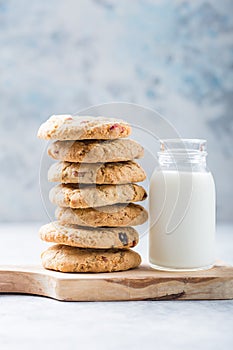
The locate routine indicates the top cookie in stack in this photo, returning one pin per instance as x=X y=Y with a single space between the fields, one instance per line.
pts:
x=95 y=198
x=67 y=127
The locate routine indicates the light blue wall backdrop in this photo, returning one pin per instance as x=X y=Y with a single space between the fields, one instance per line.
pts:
x=61 y=56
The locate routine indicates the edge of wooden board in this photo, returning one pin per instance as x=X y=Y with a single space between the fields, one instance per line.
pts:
x=143 y=283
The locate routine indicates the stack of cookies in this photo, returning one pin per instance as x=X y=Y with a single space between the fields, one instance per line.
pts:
x=95 y=198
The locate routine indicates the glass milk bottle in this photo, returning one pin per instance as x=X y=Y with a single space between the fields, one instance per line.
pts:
x=182 y=208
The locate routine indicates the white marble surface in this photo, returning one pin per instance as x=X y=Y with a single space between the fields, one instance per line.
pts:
x=30 y=322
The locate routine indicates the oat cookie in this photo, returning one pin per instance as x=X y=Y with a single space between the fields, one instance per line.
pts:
x=95 y=151
x=72 y=259
x=99 y=173
x=86 y=237
x=76 y=196
x=117 y=215
x=68 y=127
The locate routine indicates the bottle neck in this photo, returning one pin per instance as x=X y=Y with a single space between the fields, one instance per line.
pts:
x=183 y=155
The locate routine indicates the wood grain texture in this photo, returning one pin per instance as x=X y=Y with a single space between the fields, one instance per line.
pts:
x=143 y=283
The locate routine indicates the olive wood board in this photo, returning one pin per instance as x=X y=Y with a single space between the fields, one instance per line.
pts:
x=142 y=283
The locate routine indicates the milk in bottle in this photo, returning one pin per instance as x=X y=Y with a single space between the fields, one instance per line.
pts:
x=182 y=208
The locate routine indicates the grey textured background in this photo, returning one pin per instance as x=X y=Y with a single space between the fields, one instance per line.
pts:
x=62 y=56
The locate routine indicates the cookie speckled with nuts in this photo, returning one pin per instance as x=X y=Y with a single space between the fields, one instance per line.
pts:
x=118 y=215
x=76 y=196
x=68 y=127
x=72 y=259
x=86 y=237
x=99 y=173
x=96 y=151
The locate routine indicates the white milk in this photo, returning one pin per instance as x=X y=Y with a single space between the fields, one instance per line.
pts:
x=186 y=239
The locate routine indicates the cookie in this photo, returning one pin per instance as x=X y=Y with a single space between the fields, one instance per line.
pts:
x=86 y=237
x=72 y=259
x=68 y=127
x=117 y=215
x=99 y=173
x=95 y=151
x=76 y=196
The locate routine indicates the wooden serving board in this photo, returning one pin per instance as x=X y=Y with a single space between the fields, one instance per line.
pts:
x=143 y=283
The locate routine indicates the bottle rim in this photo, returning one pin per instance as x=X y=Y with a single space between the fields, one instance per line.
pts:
x=188 y=150
x=188 y=146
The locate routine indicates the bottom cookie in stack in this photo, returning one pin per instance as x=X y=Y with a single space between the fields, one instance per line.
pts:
x=85 y=249
x=72 y=259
